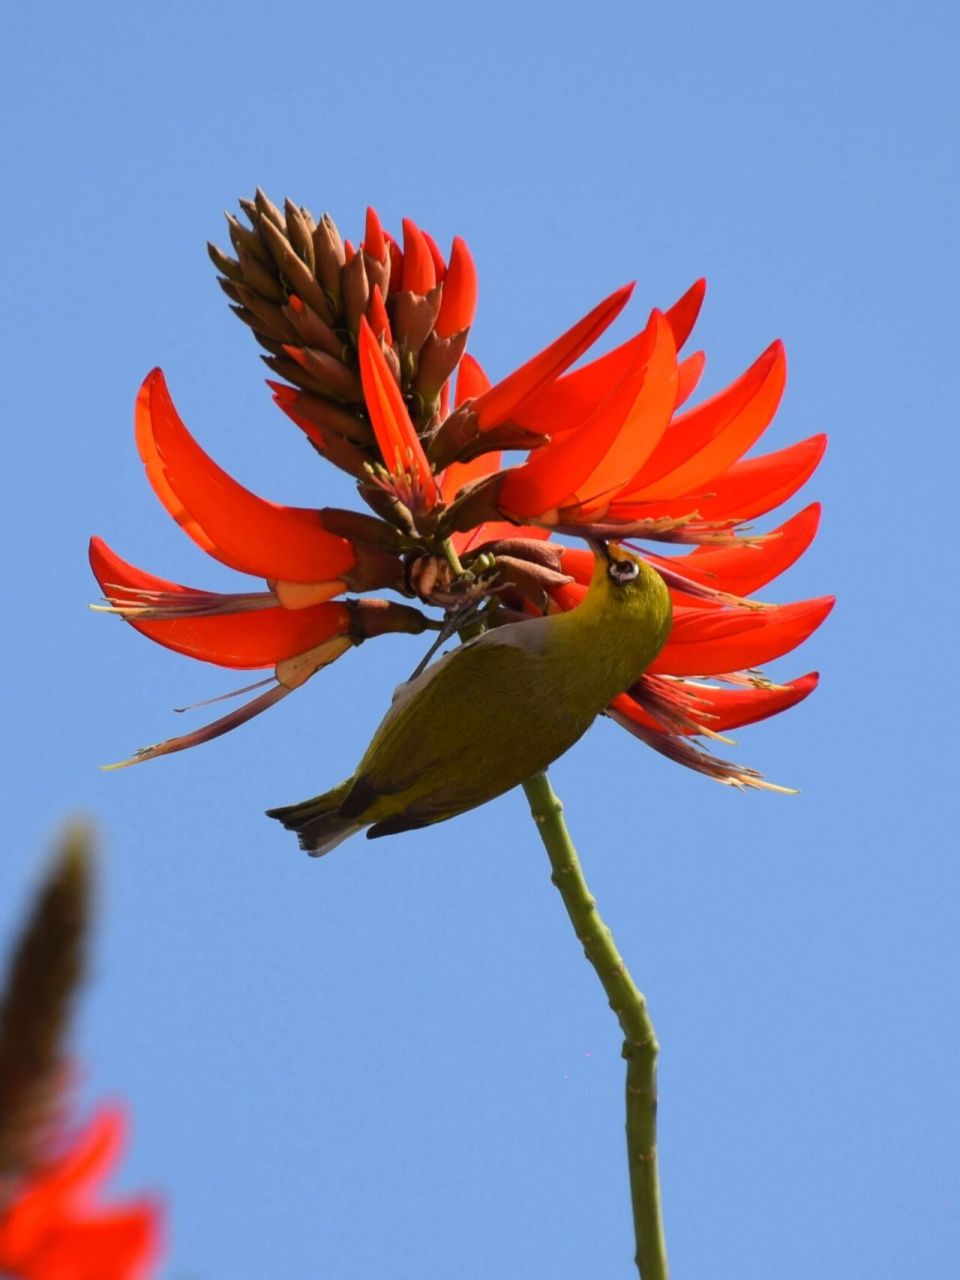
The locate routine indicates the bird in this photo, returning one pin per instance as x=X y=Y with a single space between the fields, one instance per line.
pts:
x=496 y=710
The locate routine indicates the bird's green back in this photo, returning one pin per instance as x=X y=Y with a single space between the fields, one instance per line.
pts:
x=502 y=707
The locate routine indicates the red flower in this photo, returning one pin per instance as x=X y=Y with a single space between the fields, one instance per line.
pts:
x=52 y=1229
x=371 y=340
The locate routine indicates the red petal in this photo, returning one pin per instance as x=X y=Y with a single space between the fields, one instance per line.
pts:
x=682 y=316
x=646 y=420
x=733 y=708
x=690 y=373
x=242 y=641
x=748 y=489
x=88 y=1160
x=593 y=459
x=723 y=709
x=379 y=320
x=400 y=447
x=373 y=241
x=705 y=642
x=111 y=1245
x=225 y=519
x=741 y=570
x=578 y=562
x=471 y=380
x=419 y=272
x=706 y=441
x=460 y=473
x=396 y=262
x=439 y=265
x=493 y=531
x=459 y=301
x=560 y=406
x=506 y=398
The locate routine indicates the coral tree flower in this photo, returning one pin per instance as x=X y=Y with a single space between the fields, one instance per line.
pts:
x=371 y=344
x=53 y=1229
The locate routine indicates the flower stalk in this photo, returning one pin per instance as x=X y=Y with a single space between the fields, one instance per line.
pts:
x=640 y=1047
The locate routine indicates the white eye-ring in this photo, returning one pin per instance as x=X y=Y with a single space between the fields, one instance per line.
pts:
x=624 y=570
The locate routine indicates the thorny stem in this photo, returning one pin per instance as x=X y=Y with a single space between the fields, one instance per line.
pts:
x=640 y=1046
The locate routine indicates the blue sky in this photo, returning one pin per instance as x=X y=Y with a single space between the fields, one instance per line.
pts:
x=395 y=1062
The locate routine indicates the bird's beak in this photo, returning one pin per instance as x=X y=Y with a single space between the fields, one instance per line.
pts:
x=599 y=548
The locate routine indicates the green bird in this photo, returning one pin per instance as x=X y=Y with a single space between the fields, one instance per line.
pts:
x=495 y=711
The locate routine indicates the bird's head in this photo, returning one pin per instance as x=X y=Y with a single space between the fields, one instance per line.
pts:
x=624 y=581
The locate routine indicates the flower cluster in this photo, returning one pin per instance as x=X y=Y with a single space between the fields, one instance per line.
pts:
x=371 y=342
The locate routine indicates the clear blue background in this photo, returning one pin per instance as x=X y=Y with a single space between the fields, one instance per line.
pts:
x=395 y=1063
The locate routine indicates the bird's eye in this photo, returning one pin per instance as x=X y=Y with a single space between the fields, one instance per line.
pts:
x=624 y=570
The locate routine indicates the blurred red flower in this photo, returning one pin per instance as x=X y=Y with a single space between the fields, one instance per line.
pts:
x=373 y=342
x=51 y=1228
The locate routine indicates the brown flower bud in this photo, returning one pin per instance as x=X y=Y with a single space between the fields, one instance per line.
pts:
x=331 y=376
x=438 y=359
x=298 y=233
x=312 y=329
x=324 y=413
x=329 y=255
x=223 y=262
x=298 y=275
x=369 y=618
x=412 y=316
x=242 y=237
x=355 y=291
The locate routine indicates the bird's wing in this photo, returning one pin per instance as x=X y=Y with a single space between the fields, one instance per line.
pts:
x=447 y=730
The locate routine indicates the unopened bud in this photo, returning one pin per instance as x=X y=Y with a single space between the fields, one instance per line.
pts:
x=329 y=255
x=369 y=618
x=438 y=359
x=298 y=275
x=412 y=317
x=355 y=291
x=267 y=209
x=298 y=233
x=333 y=377
x=242 y=237
x=314 y=331
x=223 y=262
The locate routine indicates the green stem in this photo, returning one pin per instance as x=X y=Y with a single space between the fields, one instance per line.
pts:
x=640 y=1046
x=453 y=560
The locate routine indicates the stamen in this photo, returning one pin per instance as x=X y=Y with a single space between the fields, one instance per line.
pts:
x=682 y=751
x=225 y=697
x=699 y=590
x=207 y=733
x=142 y=604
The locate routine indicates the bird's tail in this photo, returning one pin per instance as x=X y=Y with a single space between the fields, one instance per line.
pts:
x=318 y=822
